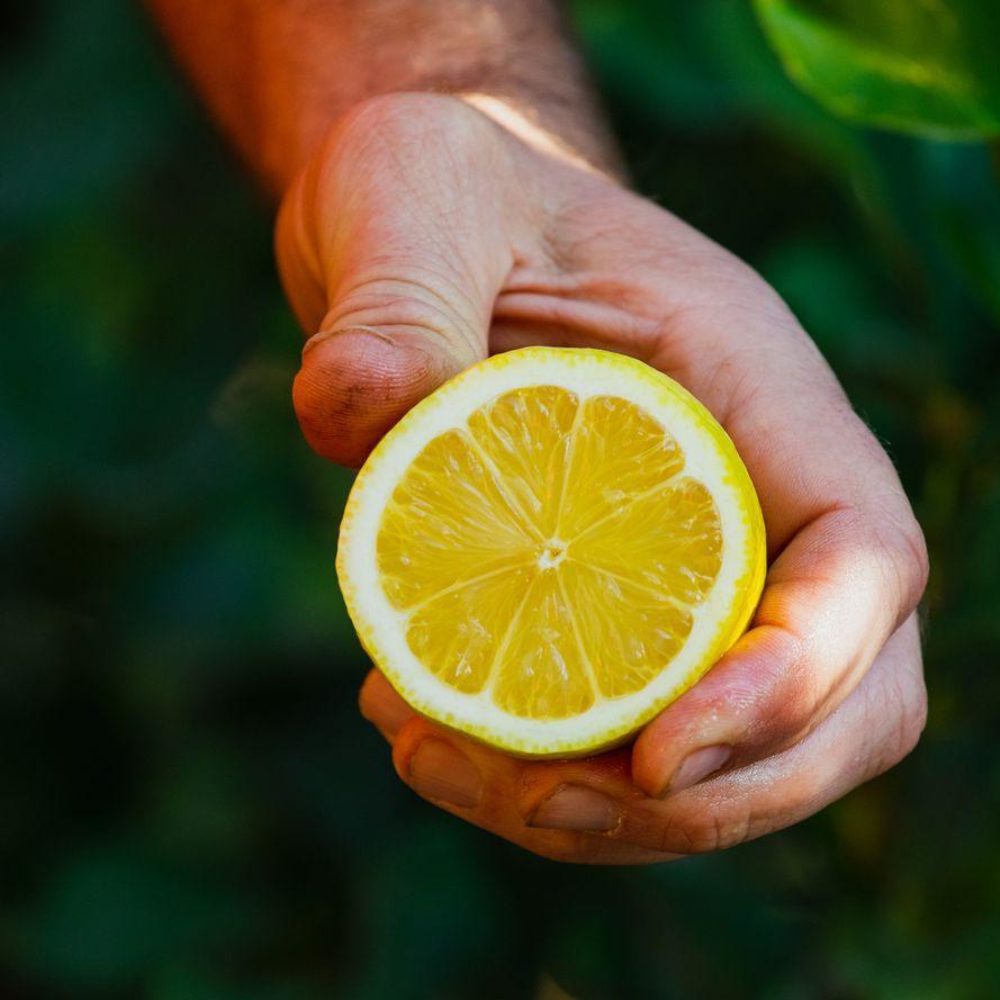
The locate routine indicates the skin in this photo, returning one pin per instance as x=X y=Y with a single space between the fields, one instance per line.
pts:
x=421 y=232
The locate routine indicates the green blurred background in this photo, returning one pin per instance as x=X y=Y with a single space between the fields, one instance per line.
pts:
x=190 y=806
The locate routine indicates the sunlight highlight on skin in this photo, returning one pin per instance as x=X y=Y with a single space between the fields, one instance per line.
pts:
x=527 y=131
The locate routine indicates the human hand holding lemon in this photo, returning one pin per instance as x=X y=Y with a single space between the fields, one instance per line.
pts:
x=427 y=234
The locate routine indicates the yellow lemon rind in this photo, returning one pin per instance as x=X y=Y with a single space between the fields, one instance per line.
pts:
x=543 y=366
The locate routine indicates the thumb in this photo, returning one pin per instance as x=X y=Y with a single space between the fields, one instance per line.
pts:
x=392 y=247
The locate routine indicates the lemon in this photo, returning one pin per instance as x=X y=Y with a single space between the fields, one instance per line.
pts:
x=550 y=548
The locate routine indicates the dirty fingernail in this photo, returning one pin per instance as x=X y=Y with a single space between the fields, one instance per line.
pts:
x=697 y=766
x=440 y=772
x=573 y=807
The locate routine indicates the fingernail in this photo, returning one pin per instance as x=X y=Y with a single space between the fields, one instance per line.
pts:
x=573 y=807
x=697 y=766
x=439 y=772
x=383 y=708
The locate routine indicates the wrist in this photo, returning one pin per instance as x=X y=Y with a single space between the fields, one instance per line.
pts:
x=277 y=75
x=513 y=61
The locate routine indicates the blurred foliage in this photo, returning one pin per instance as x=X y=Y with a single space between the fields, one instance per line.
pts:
x=927 y=67
x=191 y=807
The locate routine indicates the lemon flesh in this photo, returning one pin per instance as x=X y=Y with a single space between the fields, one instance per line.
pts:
x=550 y=548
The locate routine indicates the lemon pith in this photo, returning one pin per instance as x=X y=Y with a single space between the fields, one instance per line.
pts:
x=550 y=548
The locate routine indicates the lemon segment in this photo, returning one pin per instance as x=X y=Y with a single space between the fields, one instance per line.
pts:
x=456 y=634
x=550 y=548
x=525 y=434
x=619 y=454
x=542 y=671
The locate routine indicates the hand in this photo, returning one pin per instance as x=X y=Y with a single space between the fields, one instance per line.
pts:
x=426 y=233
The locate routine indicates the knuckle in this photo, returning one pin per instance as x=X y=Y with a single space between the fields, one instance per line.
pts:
x=911 y=719
x=911 y=727
x=905 y=553
x=886 y=529
x=684 y=834
x=895 y=713
x=402 y=301
x=915 y=545
x=716 y=828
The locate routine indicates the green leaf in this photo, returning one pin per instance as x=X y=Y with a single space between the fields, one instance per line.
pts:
x=926 y=67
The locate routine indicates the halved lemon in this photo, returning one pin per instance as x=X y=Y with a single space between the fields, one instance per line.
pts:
x=550 y=548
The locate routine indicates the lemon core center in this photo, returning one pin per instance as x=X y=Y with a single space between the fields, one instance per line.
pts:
x=553 y=553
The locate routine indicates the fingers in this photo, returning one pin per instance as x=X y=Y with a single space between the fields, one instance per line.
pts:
x=493 y=790
x=589 y=810
x=869 y=733
x=392 y=246
x=850 y=558
x=850 y=561
x=831 y=600
x=523 y=801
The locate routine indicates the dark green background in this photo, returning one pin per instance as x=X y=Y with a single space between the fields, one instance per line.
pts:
x=190 y=806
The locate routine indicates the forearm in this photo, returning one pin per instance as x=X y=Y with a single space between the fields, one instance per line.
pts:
x=276 y=73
